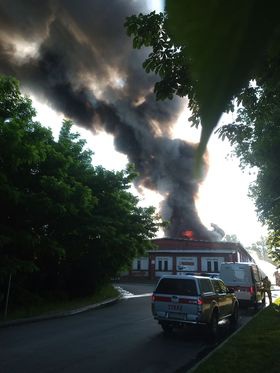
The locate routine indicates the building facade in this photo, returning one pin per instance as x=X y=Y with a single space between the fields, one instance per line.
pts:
x=183 y=256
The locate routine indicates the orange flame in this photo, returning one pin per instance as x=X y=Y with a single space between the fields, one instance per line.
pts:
x=188 y=234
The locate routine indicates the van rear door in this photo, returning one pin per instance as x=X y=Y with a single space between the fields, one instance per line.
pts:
x=238 y=277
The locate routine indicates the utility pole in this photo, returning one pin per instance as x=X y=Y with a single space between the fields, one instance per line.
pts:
x=7 y=296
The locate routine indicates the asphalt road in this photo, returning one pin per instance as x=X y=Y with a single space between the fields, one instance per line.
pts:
x=120 y=338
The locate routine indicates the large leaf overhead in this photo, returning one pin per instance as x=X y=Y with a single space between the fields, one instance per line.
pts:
x=224 y=41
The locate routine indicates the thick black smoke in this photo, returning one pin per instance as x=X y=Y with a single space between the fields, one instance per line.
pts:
x=83 y=65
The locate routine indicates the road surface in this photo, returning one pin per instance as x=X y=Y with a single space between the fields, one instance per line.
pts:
x=120 y=338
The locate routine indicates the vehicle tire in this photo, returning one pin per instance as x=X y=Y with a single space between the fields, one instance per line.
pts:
x=213 y=326
x=234 y=317
x=167 y=328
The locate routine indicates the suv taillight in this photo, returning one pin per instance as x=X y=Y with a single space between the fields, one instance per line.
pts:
x=252 y=290
x=153 y=297
x=199 y=301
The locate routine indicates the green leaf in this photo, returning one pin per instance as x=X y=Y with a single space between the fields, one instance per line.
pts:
x=224 y=41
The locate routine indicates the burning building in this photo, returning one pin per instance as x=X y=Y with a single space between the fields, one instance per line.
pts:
x=183 y=256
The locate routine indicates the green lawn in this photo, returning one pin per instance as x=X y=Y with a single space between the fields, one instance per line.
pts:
x=53 y=306
x=255 y=348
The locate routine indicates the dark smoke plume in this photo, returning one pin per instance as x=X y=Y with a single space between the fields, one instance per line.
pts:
x=81 y=62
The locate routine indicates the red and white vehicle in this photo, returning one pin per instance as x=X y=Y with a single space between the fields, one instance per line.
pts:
x=246 y=280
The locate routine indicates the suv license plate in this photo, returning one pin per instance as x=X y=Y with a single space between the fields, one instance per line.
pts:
x=177 y=315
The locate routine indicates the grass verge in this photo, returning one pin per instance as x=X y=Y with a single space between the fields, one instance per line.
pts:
x=61 y=305
x=254 y=349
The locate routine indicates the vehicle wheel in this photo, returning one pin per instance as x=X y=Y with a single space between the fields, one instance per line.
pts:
x=213 y=326
x=234 y=317
x=167 y=328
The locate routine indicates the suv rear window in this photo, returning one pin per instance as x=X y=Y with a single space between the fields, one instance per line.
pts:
x=205 y=285
x=177 y=286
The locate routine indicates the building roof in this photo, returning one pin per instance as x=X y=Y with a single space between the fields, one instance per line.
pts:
x=184 y=244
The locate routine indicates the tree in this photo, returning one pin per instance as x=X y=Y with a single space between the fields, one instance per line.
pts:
x=260 y=247
x=225 y=43
x=255 y=136
x=220 y=44
x=166 y=59
x=274 y=246
x=185 y=69
x=23 y=144
x=231 y=238
x=65 y=226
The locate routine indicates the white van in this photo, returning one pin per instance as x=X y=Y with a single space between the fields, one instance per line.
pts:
x=246 y=280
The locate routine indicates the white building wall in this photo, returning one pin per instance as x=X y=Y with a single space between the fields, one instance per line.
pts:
x=184 y=263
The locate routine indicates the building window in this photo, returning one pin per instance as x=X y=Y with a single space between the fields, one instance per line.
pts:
x=216 y=267
x=163 y=263
x=140 y=264
x=211 y=264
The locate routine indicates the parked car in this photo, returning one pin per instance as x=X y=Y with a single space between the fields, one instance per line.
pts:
x=246 y=280
x=181 y=300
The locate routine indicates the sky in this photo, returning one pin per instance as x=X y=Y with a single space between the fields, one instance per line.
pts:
x=73 y=65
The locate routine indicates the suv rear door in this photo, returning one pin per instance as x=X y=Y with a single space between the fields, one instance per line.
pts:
x=176 y=298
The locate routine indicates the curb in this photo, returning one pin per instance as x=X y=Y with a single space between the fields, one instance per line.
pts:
x=59 y=314
x=193 y=369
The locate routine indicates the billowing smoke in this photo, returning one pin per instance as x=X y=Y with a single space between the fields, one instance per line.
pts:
x=75 y=56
